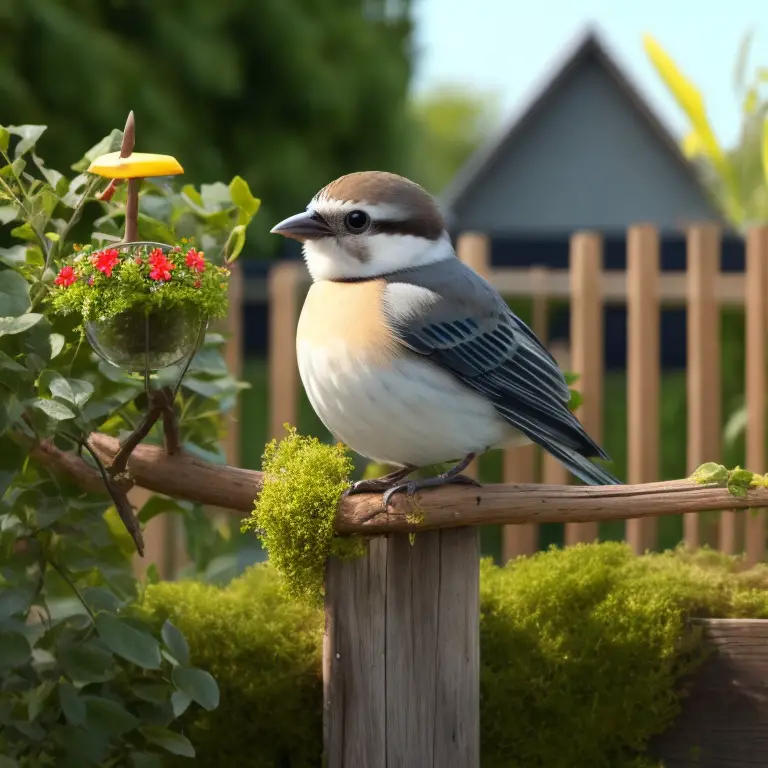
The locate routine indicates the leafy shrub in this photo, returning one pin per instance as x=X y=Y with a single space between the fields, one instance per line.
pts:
x=84 y=679
x=581 y=651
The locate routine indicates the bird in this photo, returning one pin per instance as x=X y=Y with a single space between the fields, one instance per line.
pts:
x=410 y=357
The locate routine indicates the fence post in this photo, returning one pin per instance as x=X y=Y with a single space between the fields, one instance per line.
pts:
x=703 y=366
x=282 y=290
x=643 y=370
x=520 y=463
x=401 y=661
x=587 y=348
x=474 y=249
x=756 y=310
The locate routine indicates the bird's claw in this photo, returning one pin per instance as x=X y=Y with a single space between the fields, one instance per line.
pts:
x=413 y=486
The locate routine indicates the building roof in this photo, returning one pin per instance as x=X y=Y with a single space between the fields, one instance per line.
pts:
x=587 y=47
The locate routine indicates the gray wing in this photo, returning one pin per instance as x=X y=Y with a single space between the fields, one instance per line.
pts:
x=468 y=329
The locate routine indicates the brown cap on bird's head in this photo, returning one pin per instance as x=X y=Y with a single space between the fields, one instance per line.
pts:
x=368 y=223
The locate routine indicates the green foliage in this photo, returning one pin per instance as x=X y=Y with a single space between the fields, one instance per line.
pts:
x=296 y=510
x=450 y=123
x=265 y=653
x=288 y=93
x=129 y=285
x=84 y=678
x=582 y=655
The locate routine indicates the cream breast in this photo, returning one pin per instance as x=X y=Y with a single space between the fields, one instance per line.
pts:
x=348 y=316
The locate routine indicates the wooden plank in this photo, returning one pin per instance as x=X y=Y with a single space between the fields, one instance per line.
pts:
x=587 y=348
x=474 y=249
x=724 y=718
x=643 y=371
x=457 y=691
x=756 y=310
x=703 y=365
x=673 y=291
x=283 y=371
x=523 y=539
x=354 y=660
x=401 y=654
x=519 y=464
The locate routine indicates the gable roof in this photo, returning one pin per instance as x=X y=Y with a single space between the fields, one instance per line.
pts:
x=588 y=45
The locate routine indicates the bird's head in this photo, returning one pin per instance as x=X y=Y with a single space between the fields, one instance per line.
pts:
x=368 y=224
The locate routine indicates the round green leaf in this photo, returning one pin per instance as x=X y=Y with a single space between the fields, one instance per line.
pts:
x=176 y=643
x=198 y=685
x=180 y=703
x=11 y=325
x=172 y=742
x=129 y=643
x=108 y=716
x=53 y=409
x=14 y=650
x=71 y=704
x=87 y=663
x=57 y=344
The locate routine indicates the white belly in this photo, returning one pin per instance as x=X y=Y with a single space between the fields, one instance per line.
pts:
x=409 y=412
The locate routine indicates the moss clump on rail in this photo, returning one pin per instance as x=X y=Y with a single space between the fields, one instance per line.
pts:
x=582 y=654
x=296 y=509
x=738 y=481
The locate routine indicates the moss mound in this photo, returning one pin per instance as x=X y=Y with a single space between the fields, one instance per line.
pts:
x=582 y=654
x=296 y=509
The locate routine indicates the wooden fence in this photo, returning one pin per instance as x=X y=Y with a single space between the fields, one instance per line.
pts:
x=702 y=289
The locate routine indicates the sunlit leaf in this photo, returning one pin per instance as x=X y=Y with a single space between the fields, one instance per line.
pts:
x=12 y=325
x=29 y=136
x=198 y=684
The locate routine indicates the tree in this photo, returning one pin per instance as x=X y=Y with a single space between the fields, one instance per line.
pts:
x=288 y=93
x=450 y=123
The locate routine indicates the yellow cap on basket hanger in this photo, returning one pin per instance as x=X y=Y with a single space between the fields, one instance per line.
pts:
x=137 y=165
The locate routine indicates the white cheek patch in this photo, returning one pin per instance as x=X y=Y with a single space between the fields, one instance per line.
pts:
x=328 y=258
x=404 y=301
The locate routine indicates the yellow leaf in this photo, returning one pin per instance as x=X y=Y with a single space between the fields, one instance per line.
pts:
x=692 y=145
x=685 y=92
x=136 y=166
x=750 y=101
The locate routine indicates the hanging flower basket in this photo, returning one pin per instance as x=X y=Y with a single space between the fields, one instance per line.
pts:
x=144 y=306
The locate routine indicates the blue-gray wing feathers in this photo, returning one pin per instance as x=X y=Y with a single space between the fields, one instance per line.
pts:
x=470 y=331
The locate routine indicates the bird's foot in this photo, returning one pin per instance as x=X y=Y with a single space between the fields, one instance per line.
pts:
x=378 y=484
x=452 y=476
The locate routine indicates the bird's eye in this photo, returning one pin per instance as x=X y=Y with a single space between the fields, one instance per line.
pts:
x=357 y=221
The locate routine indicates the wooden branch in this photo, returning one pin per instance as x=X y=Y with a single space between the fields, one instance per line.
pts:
x=186 y=477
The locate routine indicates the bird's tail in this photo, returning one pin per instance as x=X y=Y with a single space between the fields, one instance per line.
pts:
x=586 y=470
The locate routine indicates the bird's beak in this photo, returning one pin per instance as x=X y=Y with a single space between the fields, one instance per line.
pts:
x=307 y=225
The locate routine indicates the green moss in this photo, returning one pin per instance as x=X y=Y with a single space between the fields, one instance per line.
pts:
x=582 y=654
x=295 y=512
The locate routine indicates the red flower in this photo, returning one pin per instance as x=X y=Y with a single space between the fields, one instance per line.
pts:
x=161 y=267
x=197 y=283
x=138 y=261
x=66 y=276
x=195 y=260
x=106 y=261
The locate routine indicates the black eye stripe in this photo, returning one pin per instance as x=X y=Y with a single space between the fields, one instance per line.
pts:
x=425 y=228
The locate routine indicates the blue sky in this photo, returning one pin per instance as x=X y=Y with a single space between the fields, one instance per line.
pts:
x=506 y=45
